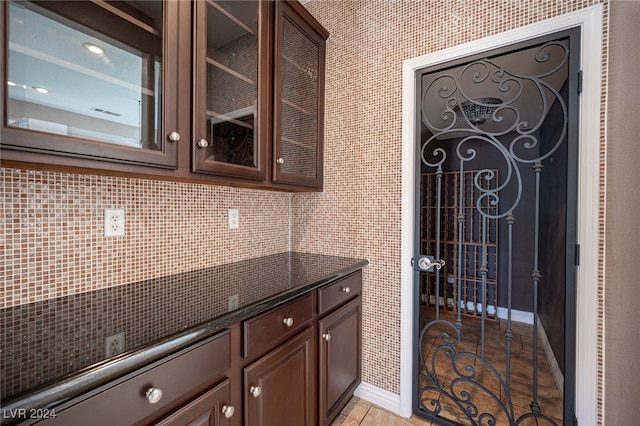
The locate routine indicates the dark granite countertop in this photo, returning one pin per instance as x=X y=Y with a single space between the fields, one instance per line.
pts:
x=55 y=349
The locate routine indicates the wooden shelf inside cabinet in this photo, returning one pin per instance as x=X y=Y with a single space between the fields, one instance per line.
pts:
x=229 y=15
x=229 y=71
x=298 y=107
x=298 y=143
x=232 y=117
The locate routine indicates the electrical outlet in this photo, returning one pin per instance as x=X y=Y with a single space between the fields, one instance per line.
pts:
x=234 y=219
x=113 y=345
x=114 y=222
x=233 y=302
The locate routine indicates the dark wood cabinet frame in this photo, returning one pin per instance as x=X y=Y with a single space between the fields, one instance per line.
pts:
x=27 y=149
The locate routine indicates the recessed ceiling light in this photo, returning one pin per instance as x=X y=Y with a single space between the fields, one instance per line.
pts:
x=93 y=48
x=11 y=83
x=40 y=89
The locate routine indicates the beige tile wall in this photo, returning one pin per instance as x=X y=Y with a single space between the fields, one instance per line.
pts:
x=622 y=297
x=359 y=212
x=51 y=231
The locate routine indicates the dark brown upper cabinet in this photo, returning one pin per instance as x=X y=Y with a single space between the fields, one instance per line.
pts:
x=232 y=88
x=259 y=92
x=207 y=91
x=91 y=81
x=299 y=64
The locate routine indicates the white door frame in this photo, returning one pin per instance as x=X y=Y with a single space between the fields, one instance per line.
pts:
x=590 y=21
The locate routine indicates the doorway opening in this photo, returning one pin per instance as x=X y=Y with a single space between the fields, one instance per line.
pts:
x=496 y=213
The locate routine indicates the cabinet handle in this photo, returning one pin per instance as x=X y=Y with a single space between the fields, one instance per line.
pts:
x=228 y=411
x=346 y=290
x=280 y=160
x=327 y=336
x=256 y=391
x=288 y=321
x=174 y=136
x=203 y=143
x=153 y=395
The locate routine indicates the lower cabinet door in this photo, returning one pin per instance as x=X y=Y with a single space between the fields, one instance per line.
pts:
x=339 y=358
x=210 y=409
x=279 y=388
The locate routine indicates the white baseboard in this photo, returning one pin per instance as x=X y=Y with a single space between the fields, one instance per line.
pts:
x=380 y=397
x=519 y=316
x=553 y=362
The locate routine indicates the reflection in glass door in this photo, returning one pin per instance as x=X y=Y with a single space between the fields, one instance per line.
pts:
x=87 y=70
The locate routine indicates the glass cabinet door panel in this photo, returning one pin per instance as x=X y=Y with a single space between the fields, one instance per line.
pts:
x=228 y=128
x=87 y=70
x=299 y=103
x=299 y=91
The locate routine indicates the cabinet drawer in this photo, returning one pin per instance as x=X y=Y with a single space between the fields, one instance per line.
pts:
x=339 y=292
x=179 y=378
x=266 y=331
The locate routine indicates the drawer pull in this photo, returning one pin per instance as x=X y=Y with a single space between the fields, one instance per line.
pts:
x=280 y=161
x=228 y=411
x=174 y=136
x=256 y=391
x=346 y=290
x=203 y=143
x=153 y=395
x=326 y=336
x=288 y=321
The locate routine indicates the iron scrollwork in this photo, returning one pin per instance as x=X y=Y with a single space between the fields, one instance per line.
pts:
x=496 y=95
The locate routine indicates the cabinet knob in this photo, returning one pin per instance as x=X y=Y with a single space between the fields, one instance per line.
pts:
x=326 y=336
x=228 y=411
x=153 y=395
x=280 y=160
x=256 y=391
x=203 y=143
x=174 y=136
x=346 y=290
x=288 y=321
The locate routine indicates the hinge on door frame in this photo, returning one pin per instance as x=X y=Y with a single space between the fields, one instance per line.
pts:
x=576 y=258
x=579 y=82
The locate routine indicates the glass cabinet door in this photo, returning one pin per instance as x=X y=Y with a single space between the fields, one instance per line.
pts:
x=299 y=99
x=231 y=90
x=87 y=79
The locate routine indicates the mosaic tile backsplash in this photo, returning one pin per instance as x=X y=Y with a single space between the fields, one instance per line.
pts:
x=52 y=232
x=52 y=240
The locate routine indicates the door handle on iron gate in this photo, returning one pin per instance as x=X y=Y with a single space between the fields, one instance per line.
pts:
x=426 y=263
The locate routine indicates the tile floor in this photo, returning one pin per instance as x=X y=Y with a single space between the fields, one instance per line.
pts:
x=360 y=412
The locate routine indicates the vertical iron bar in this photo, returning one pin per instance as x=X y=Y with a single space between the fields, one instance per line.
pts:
x=438 y=236
x=535 y=275
x=483 y=273
x=461 y=216
x=509 y=334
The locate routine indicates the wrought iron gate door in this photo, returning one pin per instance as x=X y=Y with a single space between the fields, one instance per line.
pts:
x=495 y=236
